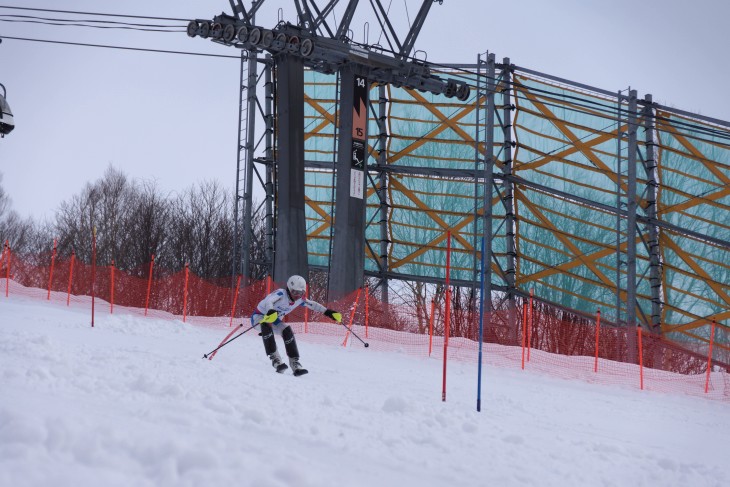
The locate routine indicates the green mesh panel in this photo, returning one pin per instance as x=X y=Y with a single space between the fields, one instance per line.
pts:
x=567 y=140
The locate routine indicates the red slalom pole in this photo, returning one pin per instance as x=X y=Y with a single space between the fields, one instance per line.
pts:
x=447 y=314
x=235 y=299
x=709 y=358
x=50 y=274
x=352 y=316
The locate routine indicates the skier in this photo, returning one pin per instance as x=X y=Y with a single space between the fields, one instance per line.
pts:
x=272 y=309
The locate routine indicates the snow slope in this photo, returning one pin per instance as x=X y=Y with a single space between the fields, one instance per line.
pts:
x=131 y=403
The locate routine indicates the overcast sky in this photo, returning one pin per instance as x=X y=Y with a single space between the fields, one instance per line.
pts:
x=174 y=118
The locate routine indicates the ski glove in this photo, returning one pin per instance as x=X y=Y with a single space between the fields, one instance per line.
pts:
x=330 y=313
x=270 y=316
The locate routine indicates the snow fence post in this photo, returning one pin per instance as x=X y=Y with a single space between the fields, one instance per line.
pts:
x=531 y=323
x=367 y=310
x=7 y=269
x=111 y=289
x=430 y=327
x=50 y=274
x=709 y=358
x=185 y=293
x=93 y=273
x=598 y=331
x=524 y=330
x=70 y=277
x=149 y=284
x=447 y=314
x=306 y=310
x=641 y=359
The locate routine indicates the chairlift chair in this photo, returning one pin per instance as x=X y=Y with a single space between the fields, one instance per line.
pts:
x=7 y=124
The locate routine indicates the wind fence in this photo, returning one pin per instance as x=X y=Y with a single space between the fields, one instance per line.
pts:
x=559 y=202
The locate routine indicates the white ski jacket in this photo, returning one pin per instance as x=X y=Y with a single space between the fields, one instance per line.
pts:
x=279 y=302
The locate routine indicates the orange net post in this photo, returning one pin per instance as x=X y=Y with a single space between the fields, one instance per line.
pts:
x=50 y=274
x=149 y=285
x=70 y=277
x=447 y=314
x=352 y=316
x=268 y=285
x=524 y=331
x=235 y=299
x=529 y=326
x=93 y=274
x=367 y=308
x=709 y=357
x=641 y=359
x=7 y=269
x=185 y=292
x=111 y=288
x=598 y=332
x=306 y=311
x=430 y=327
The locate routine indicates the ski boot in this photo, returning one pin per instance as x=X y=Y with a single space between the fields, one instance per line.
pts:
x=296 y=367
x=277 y=363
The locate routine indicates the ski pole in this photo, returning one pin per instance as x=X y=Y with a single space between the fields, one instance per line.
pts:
x=210 y=354
x=354 y=334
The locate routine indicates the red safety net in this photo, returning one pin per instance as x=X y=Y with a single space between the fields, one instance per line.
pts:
x=538 y=338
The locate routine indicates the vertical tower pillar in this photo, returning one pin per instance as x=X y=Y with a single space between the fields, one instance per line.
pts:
x=347 y=266
x=290 y=256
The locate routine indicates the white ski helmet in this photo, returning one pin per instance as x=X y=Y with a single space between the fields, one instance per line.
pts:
x=296 y=286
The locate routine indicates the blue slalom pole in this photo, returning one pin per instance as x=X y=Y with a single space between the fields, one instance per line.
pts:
x=481 y=332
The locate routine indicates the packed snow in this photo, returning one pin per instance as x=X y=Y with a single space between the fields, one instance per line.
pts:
x=131 y=402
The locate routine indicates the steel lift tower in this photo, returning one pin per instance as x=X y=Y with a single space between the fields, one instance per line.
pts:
x=312 y=43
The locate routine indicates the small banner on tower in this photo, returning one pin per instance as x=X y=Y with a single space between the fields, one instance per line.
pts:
x=359 y=136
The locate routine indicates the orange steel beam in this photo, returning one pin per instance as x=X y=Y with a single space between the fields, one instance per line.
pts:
x=580 y=145
x=559 y=156
x=319 y=108
x=431 y=212
x=565 y=266
x=704 y=276
x=722 y=189
x=435 y=131
x=323 y=213
x=699 y=322
x=570 y=245
x=444 y=119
